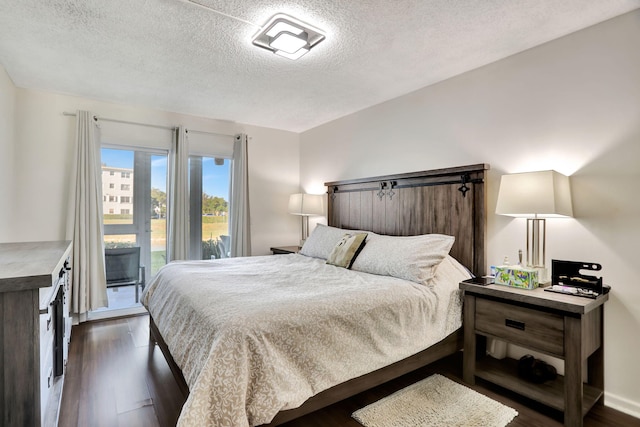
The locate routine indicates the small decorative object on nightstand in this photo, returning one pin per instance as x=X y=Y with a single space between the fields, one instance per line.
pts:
x=283 y=250
x=563 y=326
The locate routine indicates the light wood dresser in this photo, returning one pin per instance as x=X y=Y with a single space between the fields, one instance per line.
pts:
x=564 y=326
x=35 y=329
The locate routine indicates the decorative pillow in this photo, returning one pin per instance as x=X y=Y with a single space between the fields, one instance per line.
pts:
x=347 y=249
x=322 y=241
x=413 y=258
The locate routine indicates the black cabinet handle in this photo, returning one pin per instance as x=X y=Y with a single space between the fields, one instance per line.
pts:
x=514 y=324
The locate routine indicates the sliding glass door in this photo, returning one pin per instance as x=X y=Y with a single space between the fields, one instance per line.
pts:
x=134 y=190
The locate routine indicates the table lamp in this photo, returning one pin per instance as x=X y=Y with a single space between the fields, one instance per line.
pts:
x=535 y=196
x=306 y=205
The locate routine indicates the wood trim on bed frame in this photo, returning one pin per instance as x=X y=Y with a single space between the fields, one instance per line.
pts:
x=447 y=201
x=447 y=346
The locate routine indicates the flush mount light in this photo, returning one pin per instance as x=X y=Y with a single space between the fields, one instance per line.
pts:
x=287 y=36
x=288 y=42
x=296 y=55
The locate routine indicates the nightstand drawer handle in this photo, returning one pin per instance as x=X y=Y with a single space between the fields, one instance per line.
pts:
x=514 y=324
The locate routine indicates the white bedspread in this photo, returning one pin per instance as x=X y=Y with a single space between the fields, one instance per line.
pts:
x=257 y=335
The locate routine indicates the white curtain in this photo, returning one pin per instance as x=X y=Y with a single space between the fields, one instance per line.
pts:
x=240 y=226
x=84 y=227
x=178 y=245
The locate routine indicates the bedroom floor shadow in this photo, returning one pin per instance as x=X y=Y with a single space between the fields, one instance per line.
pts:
x=114 y=379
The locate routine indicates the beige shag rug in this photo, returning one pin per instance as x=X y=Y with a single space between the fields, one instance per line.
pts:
x=435 y=401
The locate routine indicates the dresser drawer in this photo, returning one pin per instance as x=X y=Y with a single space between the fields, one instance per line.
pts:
x=535 y=329
x=46 y=373
x=46 y=325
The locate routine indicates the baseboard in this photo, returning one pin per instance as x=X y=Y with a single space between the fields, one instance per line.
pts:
x=621 y=404
x=110 y=314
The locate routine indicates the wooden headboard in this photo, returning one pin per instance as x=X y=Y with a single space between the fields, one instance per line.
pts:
x=445 y=201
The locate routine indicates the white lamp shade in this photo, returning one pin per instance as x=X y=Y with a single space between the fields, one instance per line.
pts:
x=306 y=204
x=545 y=194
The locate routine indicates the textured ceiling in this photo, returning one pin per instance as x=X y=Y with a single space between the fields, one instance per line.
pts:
x=174 y=55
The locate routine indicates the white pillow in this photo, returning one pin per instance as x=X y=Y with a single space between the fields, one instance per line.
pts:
x=413 y=258
x=322 y=241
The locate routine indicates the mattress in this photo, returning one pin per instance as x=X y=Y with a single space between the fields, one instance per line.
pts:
x=257 y=335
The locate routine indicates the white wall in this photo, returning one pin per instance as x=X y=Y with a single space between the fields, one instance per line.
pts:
x=572 y=105
x=43 y=151
x=7 y=142
x=274 y=165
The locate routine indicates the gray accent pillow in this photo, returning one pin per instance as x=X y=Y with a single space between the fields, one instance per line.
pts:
x=347 y=249
x=413 y=258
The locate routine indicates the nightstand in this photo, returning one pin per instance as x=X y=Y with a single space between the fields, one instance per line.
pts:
x=283 y=250
x=563 y=326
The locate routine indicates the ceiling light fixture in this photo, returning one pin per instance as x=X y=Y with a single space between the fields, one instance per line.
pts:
x=287 y=36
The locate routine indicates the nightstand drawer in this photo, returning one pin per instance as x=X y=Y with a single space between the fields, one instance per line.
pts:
x=530 y=328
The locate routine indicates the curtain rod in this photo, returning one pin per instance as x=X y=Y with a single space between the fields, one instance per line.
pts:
x=96 y=118
x=204 y=132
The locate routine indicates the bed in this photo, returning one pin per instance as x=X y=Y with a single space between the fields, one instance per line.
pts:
x=286 y=335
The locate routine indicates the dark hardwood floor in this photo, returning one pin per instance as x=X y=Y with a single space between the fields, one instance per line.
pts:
x=115 y=379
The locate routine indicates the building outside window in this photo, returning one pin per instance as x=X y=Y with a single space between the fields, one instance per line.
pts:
x=118 y=195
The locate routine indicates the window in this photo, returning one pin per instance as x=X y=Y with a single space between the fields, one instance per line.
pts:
x=143 y=222
x=209 y=180
x=112 y=173
x=112 y=185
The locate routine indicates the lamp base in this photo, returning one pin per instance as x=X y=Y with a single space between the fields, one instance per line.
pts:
x=305 y=229
x=536 y=241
